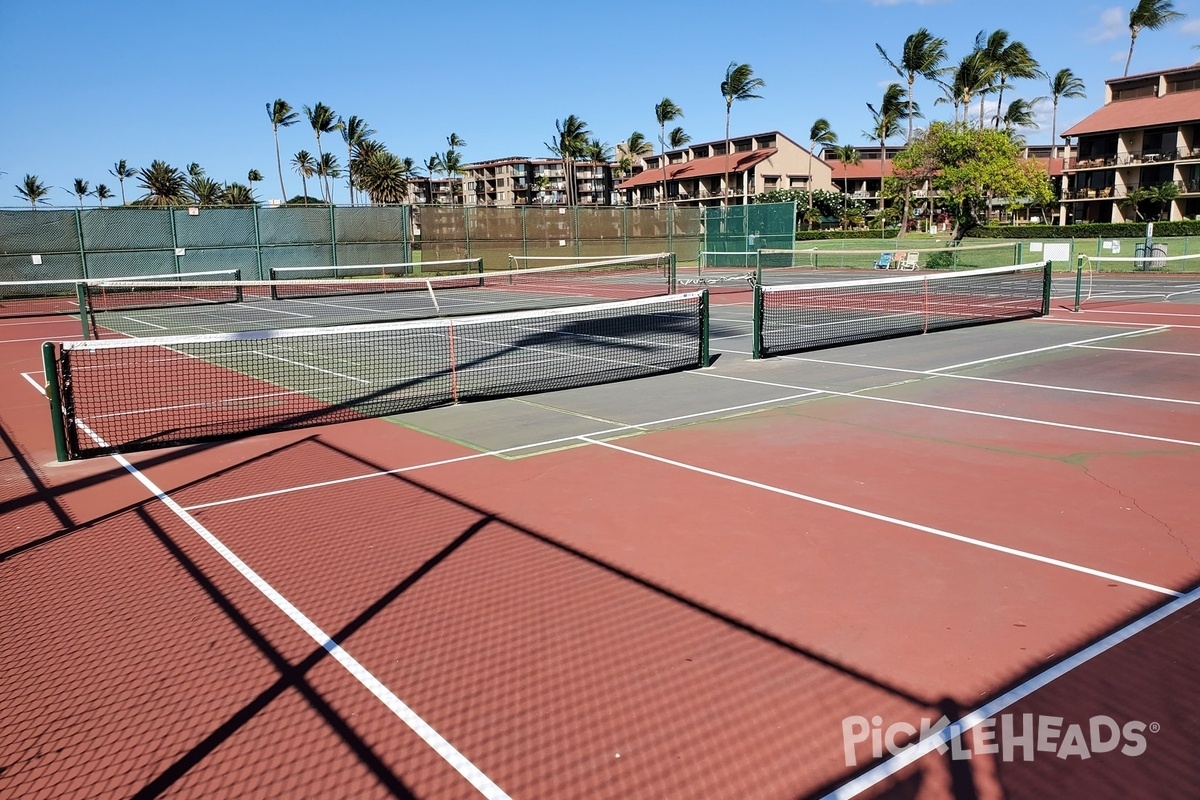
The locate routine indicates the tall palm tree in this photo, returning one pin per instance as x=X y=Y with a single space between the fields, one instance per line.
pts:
x=677 y=138
x=354 y=131
x=1009 y=59
x=1149 y=15
x=33 y=190
x=384 y=176
x=923 y=55
x=323 y=120
x=432 y=164
x=194 y=170
x=849 y=156
x=451 y=163
x=206 y=191
x=892 y=109
x=306 y=165
x=664 y=111
x=102 y=193
x=282 y=116
x=739 y=84
x=1020 y=114
x=635 y=146
x=121 y=171
x=252 y=177
x=165 y=185
x=81 y=190
x=1063 y=83
x=972 y=75
x=328 y=169
x=455 y=141
x=819 y=134
x=571 y=135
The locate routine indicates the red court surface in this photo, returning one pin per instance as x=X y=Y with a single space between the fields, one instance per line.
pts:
x=759 y=599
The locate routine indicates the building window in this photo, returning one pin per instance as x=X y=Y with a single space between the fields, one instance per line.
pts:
x=718 y=150
x=1132 y=92
x=770 y=182
x=741 y=147
x=1183 y=84
x=700 y=152
x=799 y=183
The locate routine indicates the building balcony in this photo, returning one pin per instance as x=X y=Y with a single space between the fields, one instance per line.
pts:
x=1140 y=157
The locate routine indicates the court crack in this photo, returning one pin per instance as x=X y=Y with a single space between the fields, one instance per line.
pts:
x=1187 y=551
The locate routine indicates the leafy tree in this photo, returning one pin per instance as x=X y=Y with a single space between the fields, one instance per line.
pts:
x=282 y=116
x=1062 y=84
x=966 y=167
x=33 y=190
x=165 y=185
x=1149 y=15
x=81 y=190
x=354 y=131
x=121 y=171
x=819 y=134
x=306 y=165
x=739 y=84
x=323 y=120
x=102 y=193
x=677 y=138
x=816 y=205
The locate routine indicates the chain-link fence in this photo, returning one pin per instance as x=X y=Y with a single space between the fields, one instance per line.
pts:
x=740 y=230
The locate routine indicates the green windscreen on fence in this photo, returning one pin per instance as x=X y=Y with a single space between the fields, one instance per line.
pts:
x=740 y=230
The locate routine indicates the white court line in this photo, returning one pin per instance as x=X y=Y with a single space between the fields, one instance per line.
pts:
x=994 y=707
x=503 y=451
x=309 y=366
x=1093 y=322
x=1138 y=332
x=257 y=307
x=1136 y=350
x=137 y=321
x=860 y=512
x=930 y=406
x=457 y=761
x=1086 y=310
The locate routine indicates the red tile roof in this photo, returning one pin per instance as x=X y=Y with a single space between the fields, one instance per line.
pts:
x=866 y=169
x=1142 y=112
x=701 y=168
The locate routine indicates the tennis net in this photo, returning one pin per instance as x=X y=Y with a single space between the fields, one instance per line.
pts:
x=807 y=316
x=267 y=305
x=377 y=271
x=776 y=263
x=43 y=297
x=119 y=395
x=1151 y=277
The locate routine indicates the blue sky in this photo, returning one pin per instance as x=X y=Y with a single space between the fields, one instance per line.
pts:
x=88 y=83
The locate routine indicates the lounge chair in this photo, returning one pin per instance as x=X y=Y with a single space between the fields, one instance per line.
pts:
x=884 y=261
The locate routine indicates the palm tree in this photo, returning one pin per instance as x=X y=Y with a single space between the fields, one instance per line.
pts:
x=739 y=84
x=121 y=171
x=1063 y=84
x=665 y=111
x=252 y=177
x=102 y=193
x=677 y=138
x=819 y=134
x=892 y=109
x=1020 y=114
x=354 y=130
x=384 y=176
x=33 y=190
x=451 y=163
x=237 y=194
x=165 y=185
x=1149 y=15
x=849 y=156
x=923 y=55
x=1008 y=60
x=194 y=170
x=571 y=135
x=206 y=191
x=328 y=168
x=282 y=116
x=81 y=190
x=455 y=141
x=972 y=75
x=323 y=120
x=306 y=165
x=432 y=164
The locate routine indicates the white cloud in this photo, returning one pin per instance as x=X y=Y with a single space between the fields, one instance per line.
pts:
x=1192 y=26
x=1113 y=22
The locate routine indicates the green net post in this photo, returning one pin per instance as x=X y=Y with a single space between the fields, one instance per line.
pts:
x=1078 y=282
x=1047 y=280
x=82 y=251
x=85 y=315
x=1020 y=252
x=757 y=349
x=58 y=424
x=704 y=328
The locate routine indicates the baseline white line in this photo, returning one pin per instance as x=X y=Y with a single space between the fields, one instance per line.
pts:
x=137 y=321
x=457 y=761
x=503 y=451
x=1136 y=350
x=969 y=412
x=990 y=709
x=1138 y=313
x=916 y=526
x=1138 y=332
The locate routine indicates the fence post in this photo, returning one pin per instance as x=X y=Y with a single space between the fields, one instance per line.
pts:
x=704 y=327
x=406 y=232
x=524 y=232
x=466 y=224
x=50 y=365
x=670 y=229
x=257 y=245
x=756 y=347
x=82 y=252
x=174 y=239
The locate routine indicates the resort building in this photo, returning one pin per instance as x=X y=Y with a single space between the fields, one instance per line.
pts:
x=696 y=175
x=518 y=181
x=1145 y=136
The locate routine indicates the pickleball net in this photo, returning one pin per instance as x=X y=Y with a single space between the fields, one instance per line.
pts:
x=120 y=395
x=808 y=316
x=303 y=301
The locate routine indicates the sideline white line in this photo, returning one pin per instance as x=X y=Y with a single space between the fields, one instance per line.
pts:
x=989 y=710
x=1012 y=551
x=1136 y=350
x=1139 y=332
x=309 y=366
x=503 y=451
x=856 y=394
x=1139 y=313
x=457 y=761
